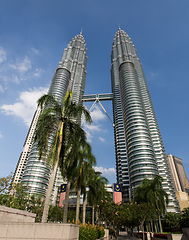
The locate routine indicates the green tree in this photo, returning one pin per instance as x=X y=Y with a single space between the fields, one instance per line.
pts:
x=55 y=214
x=5 y=184
x=112 y=214
x=125 y=214
x=184 y=218
x=86 y=180
x=97 y=190
x=58 y=123
x=152 y=191
x=171 y=220
x=35 y=204
x=85 y=162
x=16 y=196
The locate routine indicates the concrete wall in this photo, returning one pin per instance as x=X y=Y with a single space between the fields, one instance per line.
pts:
x=38 y=231
x=14 y=215
x=183 y=199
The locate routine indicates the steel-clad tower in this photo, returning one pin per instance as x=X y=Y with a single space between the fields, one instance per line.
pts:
x=69 y=75
x=139 y=148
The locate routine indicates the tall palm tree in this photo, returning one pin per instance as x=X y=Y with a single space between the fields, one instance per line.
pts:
x=152 y=191
x=85 y=161
x=88 y=173
x=97 y=190
x=55 y=134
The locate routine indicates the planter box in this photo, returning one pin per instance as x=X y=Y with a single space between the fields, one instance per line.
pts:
x=171 y=237
x=38 y=231
x=174 y=236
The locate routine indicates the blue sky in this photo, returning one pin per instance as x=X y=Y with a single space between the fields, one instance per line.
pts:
x=33 y=36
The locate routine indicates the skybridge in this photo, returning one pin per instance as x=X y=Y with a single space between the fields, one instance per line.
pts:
x=99 y=97
x=96 y=98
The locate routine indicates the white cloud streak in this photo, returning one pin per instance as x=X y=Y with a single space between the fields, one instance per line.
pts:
x=1 y=136
x=21 y=66
x=102 y=139
x=97 y=114
x=25 y=106
x=1 y=89
x=105 y=171
x=3 y=55
x=35 y=51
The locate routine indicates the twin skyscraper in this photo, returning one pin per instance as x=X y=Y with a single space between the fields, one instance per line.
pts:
x=138 y=144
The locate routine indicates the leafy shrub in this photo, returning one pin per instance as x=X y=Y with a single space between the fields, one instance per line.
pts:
x=101 y=232
x=160 y=235
x=184 y=219
x=90 y=232
x=171 y=221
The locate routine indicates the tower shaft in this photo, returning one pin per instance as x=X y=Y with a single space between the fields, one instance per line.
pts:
x=139 y=148
x=69 y=75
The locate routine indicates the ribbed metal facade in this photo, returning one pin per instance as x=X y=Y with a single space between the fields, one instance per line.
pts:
x=36 y=174
x=139 y=148
x=69 y=75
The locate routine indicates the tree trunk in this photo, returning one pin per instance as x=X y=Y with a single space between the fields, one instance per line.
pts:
x=66 y=202
x=143 y=236
x=93 y=215
x=96 y=217
x=78 y=202
x=160 y=226
x=155 y=226
x=152 y=226
x=84 y=205
x=50 y=185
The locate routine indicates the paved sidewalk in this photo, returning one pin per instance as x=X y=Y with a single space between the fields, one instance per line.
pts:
x=123 y=236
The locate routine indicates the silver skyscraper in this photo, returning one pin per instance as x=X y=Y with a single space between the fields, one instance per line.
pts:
x=69 y=75
x=139 y=148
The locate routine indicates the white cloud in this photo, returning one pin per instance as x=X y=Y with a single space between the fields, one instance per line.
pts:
x=102 y=139
x=21 y=66
x=93 y=128
x=153 y=76
x=3 y=56
x=25 y=106
x=97 y=114
x=89 y=137
x=1 y=135
x=1 y=89
x=15 y=79
x=105 y=171
x=34 y=50
x=38 y=72
x=4 y=78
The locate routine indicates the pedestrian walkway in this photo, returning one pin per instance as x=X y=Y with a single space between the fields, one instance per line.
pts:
x=124 y=236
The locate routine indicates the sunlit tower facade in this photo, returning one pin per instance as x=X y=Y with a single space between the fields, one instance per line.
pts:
x=69 y=75
x=139 y=148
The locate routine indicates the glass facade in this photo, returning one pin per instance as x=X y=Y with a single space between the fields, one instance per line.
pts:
x=139 y=148
x=138 y=144
x=69 y=75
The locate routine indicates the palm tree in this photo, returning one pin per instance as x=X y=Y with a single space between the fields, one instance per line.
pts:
x=88 y=173
x=85 y=162
x=97 y=190
x=152 y=191
x=57 y=123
